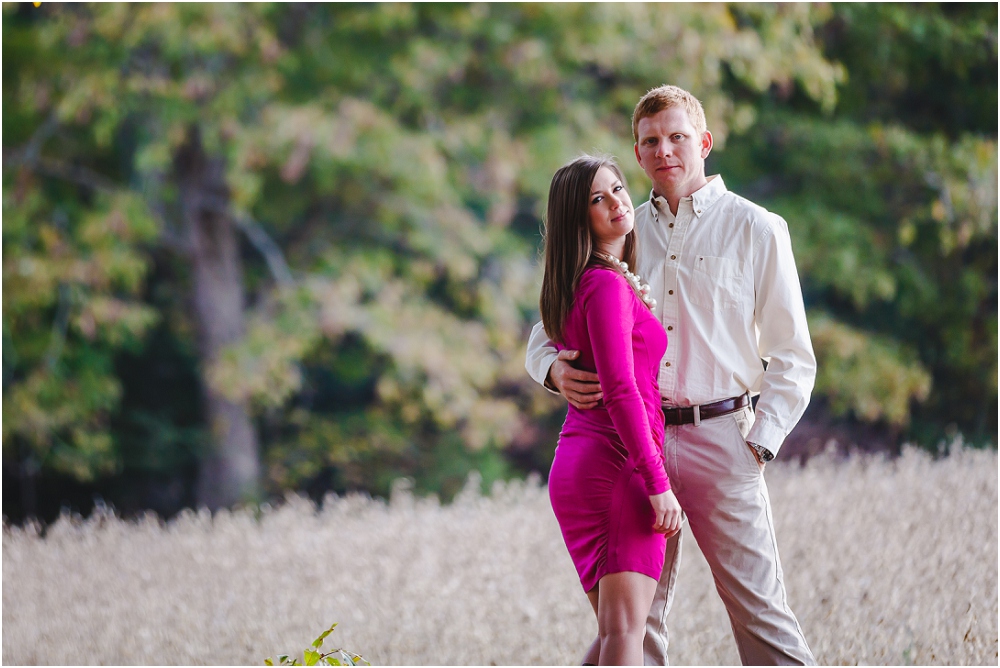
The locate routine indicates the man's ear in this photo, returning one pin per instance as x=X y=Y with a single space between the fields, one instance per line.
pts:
x=706 y=145
x=637 y=158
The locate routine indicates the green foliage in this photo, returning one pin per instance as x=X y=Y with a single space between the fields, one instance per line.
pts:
x=397 y=158
x=311 y=656
x=931 y=66
x=893 y=215
x=873 y=377
x=72 y=274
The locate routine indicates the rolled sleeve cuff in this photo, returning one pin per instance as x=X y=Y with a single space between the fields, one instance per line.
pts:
x=547 y=384
x=764 y=432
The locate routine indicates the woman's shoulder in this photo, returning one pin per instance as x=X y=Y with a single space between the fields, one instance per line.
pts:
x=600 y=275
x=602 y=280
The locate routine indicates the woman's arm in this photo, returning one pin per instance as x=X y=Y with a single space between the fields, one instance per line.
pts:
x=609 y=307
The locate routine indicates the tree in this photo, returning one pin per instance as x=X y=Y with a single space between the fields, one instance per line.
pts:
x=335 y=209
x=136 y=86
x=892 y=206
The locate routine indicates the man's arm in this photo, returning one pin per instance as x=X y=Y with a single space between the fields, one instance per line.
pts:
x=541 y=354
x=552 y=369
x=783 y=341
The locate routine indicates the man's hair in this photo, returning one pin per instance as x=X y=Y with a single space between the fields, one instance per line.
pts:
x=665 y=97
x=569 y=243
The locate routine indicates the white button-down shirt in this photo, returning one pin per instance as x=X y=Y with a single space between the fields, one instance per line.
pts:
x=728 y=294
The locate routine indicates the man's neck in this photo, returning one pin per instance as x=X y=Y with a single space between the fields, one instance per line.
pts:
x=674 y=198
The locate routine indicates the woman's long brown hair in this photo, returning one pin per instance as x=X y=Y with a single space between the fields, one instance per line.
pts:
x=569 y=244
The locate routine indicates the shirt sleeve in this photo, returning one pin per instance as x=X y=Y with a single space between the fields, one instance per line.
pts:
x=540 y=356
x=610 y=314
x=783 y=339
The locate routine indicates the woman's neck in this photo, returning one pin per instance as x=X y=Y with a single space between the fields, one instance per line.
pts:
x=616 y=249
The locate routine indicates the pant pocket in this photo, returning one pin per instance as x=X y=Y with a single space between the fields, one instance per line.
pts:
x=742 y=423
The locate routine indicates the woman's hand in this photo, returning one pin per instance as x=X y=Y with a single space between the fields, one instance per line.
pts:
x=668 y=513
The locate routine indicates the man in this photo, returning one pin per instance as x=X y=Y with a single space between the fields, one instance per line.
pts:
x=722 y=273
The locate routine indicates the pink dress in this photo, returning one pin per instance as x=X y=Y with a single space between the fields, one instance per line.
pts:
x=609 y=459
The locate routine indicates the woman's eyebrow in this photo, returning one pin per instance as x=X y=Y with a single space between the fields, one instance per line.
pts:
x=616 y=183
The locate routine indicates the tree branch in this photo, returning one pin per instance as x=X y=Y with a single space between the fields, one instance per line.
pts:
x=257 y=236
x=267 y=247
x=59 y=327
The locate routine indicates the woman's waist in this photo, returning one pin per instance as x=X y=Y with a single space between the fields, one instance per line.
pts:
x=596 y=418
x=599 y=419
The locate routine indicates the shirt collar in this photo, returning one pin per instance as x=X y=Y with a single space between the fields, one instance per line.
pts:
x=701 y=200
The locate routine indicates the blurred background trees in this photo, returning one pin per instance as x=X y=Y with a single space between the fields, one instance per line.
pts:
x=252 y=248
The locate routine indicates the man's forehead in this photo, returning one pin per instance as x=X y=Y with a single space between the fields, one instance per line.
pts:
x=669 y=119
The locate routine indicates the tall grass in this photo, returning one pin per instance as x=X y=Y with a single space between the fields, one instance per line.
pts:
x=886 y=562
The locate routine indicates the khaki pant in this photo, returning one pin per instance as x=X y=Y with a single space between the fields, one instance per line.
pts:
x=718 y=483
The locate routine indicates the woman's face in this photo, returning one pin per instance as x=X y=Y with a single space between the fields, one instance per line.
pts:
x=611 y=213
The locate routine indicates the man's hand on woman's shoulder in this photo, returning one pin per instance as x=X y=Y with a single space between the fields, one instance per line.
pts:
x=580 y=388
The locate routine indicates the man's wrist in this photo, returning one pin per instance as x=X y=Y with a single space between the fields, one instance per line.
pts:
x=548 y=384
x=763 y=454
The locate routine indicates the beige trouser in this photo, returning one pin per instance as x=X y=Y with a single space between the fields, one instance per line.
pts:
x=718 y=483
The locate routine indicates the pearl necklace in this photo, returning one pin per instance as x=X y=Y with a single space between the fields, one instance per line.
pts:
x=642 y=289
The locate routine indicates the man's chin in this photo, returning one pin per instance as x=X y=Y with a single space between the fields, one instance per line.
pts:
x=664 y=186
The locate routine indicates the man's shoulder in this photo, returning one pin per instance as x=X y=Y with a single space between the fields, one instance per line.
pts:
x=644 y=210
x=748 y=209
x=743 y=211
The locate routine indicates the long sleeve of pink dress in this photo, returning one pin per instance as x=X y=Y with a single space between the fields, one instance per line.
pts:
x=609 y=459
x=612 y=311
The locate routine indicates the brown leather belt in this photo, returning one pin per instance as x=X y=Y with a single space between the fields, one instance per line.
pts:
x=686 y=415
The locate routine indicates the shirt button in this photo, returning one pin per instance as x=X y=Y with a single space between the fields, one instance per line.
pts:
x=670 y=292
x=671 y=225
x=666 y=364
x=670 y=328
x=673 y=257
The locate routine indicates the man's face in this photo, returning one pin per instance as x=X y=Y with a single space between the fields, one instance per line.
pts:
x=672 y=153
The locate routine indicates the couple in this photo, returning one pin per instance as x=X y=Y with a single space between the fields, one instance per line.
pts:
x=656 y=432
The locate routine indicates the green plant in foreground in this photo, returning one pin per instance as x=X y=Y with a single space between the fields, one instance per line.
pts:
x=311 y=656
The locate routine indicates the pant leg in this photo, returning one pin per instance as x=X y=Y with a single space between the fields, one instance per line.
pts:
x=728 y=510
x=654 y=645
x=656 y=641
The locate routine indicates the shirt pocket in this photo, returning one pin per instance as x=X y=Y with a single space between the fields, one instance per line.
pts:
x=716 y=283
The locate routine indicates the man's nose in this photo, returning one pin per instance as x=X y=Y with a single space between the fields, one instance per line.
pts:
x=663 y=149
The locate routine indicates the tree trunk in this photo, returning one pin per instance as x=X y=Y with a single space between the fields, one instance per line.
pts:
x=230 y=472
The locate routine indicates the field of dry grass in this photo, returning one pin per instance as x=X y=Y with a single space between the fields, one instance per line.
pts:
x=886 y=562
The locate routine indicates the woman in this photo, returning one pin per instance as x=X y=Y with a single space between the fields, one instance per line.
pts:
x=607 y=485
